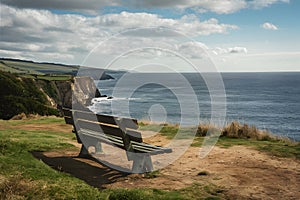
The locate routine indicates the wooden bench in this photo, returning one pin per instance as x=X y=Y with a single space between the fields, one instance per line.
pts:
x=94 y=129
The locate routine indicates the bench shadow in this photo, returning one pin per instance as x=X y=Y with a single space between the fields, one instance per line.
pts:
x=86 y=169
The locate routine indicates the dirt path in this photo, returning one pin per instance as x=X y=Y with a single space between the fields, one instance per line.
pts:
x=241 y=171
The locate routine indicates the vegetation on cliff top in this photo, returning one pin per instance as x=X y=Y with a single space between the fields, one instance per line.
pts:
x=21 y=95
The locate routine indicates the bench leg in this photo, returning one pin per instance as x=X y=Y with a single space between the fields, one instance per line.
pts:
x=83 y=152
x=142 y=164
x=98 y=148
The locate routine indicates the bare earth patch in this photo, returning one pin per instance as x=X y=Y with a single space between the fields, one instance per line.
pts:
x=242 y=172
x=53 y=127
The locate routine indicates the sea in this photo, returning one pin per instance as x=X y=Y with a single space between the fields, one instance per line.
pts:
x=268 y=100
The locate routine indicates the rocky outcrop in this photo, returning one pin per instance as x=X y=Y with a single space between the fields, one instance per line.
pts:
x=79 y=91
x=64 y=92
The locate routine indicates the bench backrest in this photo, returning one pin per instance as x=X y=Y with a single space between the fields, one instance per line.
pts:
x=124 y=128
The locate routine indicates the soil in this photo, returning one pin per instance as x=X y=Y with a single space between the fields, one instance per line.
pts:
x=242 y=172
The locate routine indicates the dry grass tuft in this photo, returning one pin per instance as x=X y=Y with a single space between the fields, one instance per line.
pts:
x=15 y=188
x=237 y=130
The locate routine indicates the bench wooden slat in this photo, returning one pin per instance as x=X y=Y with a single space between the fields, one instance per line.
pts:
x=90 y=116
x=102 y=137
x=133 y=135
x=153 y=147
x=128 y=123
x=95 y=118
x=141 y=147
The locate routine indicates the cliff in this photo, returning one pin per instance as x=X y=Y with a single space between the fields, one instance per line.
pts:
x=22 y=95
x=39 y=96
x=58 y=93
x=41 y=88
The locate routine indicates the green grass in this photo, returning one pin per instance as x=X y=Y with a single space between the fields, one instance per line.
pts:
x=264 y=142
x=55 y=77
x=153 y=174
x=279 y=148
x=28 y=178
x=47 y=77
x=39 y=120
x=169 y=130
x=24 y=177
x=32 y=67
x=203 y=191
x=4 y=67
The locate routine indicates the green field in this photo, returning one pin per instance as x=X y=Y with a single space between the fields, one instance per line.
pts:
x=48 y=71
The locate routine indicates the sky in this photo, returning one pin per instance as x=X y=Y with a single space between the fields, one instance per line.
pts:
x=180 y=35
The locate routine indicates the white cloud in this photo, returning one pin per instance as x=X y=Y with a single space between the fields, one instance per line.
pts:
x=188 y=24
x=41 y=32
x=269 y=26
x=220 y=7
x=230 y=50
x=192 y=49
x=94 y=6
x=238 y=50
x=264 y=3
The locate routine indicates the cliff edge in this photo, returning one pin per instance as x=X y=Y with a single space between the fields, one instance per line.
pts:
x=35 y=96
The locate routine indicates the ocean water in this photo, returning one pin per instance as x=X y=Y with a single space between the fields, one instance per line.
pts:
x=270 y=101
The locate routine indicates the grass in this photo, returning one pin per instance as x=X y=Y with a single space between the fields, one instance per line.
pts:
x=19 y=66
x=168 y=130
x=24 y=177
x=203 y=191
x=33 y=119
x=6 y=68
x=153 y=174
x=235 y=134
x=55 y=77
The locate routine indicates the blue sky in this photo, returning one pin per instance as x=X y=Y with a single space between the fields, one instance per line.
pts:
x=236 y=35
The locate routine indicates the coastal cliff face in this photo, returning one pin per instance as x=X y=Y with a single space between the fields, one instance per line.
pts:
x=64 y=93
x=80 y=90
x=41 y=88
x=44 y=97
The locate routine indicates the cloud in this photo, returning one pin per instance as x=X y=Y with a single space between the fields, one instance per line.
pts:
x=269 y=26
x=41 y=32
x=94 y=6
x=230 y=50
x=238 y=50
x=192 y=49
x=188 y=24
x=220 y=7
x=257 y=4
